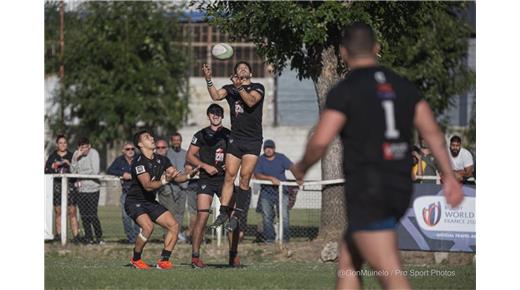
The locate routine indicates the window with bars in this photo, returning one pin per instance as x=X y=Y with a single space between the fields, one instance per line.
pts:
x=199 y=48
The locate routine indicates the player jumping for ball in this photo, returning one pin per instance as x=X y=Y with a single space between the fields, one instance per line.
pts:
x=374 y=110
x=245 y=100
x=149 y=172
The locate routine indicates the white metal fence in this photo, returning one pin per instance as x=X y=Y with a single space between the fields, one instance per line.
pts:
x=308 y=199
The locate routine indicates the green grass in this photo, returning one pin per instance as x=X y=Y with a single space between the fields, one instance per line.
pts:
x=303 y=221
x=106 y=268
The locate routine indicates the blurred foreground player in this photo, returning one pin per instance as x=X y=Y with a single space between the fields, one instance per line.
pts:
x=374 y=110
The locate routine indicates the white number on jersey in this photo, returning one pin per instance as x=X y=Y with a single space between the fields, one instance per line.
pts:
x=391 y=132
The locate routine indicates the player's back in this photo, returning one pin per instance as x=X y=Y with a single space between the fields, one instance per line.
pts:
x=379 y=106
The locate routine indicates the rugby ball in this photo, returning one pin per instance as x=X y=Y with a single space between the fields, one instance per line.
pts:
x=222 y=51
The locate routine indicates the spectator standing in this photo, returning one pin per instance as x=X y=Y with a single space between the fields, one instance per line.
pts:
x=182 y=192
x=271 y=166
x=86 y=161
x=122 y=168
x=59 y=162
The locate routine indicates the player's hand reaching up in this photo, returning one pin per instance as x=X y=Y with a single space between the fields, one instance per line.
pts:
x=206 y=69
x=452 y=191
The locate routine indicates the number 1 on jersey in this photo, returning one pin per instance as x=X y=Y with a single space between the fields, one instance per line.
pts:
x=391 y=132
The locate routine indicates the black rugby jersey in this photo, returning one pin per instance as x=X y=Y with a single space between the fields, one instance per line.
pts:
x=246 y=122
x=380 y=108
x=213 y=146
x=156 y=167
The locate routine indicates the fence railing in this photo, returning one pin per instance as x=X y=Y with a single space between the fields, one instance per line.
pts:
x=65 y=192
x=306 y=202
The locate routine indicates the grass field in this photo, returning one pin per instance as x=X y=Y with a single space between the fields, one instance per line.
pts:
x=304 y=223
x=265 y=266
x=106 y=267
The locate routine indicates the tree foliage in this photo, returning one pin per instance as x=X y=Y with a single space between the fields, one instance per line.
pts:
x=424 y=41
x=125 y=67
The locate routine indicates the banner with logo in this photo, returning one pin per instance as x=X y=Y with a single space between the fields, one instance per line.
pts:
x=430 y=224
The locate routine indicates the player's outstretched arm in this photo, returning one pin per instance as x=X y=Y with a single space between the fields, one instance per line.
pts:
x=147 y=183
x=189 y=172
x=330 y=124
x=216 y=95
x=430 y=131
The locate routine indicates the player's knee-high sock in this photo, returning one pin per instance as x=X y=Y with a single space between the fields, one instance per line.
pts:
x=242 y=202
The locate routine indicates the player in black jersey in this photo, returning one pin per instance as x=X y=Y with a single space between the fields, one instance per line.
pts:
x=374 y=110
x=149 y=172
x=207 y=150
x=245 y=100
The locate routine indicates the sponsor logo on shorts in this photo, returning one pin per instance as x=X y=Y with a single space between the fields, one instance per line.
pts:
x=138 y=205
x=203 y=186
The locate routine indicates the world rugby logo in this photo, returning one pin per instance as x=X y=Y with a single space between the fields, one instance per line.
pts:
x=432 y=214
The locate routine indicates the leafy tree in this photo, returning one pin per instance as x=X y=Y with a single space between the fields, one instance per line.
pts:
x=424 y=41
x=124 y=68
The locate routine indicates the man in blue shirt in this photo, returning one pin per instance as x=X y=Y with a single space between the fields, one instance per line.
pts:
x=271 y=166
x=122 y=168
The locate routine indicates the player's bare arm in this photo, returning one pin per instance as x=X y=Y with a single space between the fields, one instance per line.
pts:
x=215 y=94
x=252 y=98
x=424 y=121
x=191 y=157
x=330 y=124
x=147 y=183
x=189 y=172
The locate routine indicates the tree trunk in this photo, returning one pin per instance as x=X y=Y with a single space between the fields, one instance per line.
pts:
x=333 y=214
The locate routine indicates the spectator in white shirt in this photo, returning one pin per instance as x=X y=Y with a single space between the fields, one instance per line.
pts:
x=461 y=159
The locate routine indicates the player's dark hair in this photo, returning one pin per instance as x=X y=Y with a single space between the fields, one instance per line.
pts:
x=242 y=62
x=137 y=137
x=215 y=108
x=60 y=136
x=358 y=38
x=83 y=141
x=455 y=139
